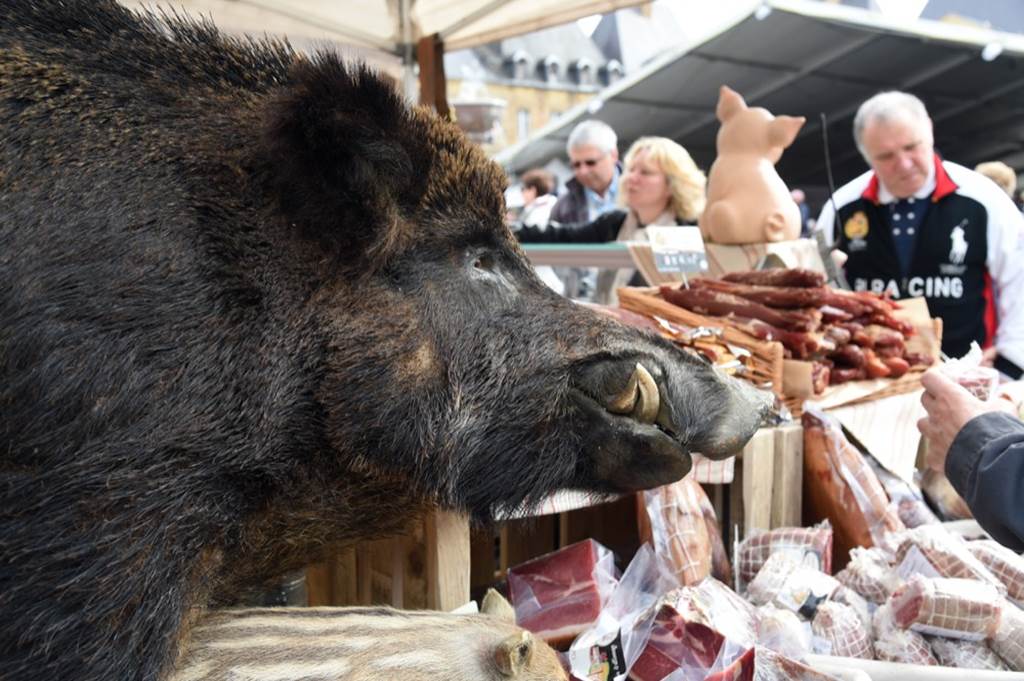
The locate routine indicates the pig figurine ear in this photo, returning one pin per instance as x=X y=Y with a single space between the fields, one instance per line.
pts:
x=514 y=653
x=730 y=103
x=782 y=131
x=495 y=605
x=333 y=155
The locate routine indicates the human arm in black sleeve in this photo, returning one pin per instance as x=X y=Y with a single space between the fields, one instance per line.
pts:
x=986 y=466
x=600 y=230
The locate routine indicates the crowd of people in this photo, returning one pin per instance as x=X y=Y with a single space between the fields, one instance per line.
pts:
x=913 y=225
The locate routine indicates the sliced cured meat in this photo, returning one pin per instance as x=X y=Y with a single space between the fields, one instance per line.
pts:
x=558 y=595
x=673 y=643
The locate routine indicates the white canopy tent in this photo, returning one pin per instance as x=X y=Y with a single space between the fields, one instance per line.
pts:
x=387 y=32
x=807 y=58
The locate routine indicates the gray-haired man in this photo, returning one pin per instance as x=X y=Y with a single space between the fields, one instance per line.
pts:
x=916 y=225
x=594 y=158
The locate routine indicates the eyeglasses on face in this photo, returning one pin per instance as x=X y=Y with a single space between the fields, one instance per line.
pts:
x=589 y=162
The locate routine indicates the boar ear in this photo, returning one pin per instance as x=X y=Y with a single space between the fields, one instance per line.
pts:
x=730 y=103
x=495 y=605
x=514 y=653
x=333 y=155
x=782 y=131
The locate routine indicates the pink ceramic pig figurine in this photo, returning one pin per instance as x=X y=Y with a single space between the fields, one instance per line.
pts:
x=747 y=200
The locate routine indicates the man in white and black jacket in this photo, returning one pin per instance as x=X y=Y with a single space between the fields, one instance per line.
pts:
x=915 y=225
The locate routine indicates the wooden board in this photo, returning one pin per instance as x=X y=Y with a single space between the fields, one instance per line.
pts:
x=447 y=542
x=787 y=488
x=758 y=480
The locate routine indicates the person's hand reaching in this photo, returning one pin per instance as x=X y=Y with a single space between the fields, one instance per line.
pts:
x=949 y=407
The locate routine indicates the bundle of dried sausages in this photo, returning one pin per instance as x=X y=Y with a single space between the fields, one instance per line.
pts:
x=848 y=335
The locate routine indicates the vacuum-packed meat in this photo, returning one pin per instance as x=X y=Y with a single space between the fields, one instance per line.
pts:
x=1006 y=565
x=893 y=644
x=957 y=608
x=558 y=595
x=841 y=632
x=952 y=652
x=811 y=546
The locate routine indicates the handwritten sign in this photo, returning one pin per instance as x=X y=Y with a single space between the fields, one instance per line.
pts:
x=677 y=249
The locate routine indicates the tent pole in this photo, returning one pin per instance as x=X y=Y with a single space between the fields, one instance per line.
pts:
x=433 y=85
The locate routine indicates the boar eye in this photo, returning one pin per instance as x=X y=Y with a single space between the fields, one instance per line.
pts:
x=484 y=262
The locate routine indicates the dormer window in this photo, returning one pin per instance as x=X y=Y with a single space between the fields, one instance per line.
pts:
x=551 y=68
x=583 y=69
x=612 y=71
x=520 y=63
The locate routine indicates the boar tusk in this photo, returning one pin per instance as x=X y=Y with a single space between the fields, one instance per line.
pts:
x=650 y=399
x=624 y=402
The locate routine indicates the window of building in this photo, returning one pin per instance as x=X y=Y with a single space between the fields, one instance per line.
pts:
x=522 y=124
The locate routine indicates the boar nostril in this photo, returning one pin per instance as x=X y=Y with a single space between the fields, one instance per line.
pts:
x=640 y=398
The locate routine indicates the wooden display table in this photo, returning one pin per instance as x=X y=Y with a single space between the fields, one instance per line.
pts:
x=440 y=562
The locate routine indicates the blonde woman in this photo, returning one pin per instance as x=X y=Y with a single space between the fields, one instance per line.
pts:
x=661 y=185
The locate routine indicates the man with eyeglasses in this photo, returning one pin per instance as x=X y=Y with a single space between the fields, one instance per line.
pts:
x=594 y=187
x=916 y=225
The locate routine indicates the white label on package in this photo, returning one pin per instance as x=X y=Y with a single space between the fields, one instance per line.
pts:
x=677 y=249
x=915 y=563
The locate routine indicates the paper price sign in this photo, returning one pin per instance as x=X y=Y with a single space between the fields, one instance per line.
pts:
x=678 y=249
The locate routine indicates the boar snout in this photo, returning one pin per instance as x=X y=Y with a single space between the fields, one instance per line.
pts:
x=746 y=409
x=646 y=414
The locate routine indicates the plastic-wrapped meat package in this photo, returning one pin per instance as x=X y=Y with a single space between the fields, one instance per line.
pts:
x=676 y=522
x=1008 y=641
x=952 y=652
x=849 y=597
x=1006 y=565
x=608 y=648
x=948 y=554
x=721 y=568
x=956 y=608
x=893 y=644
x=841 y=486
x=939 y=490
x=786 y=583
x=558 y=595
x=717 y=606
x=811 y=546
x=763 y=664
x=869 y=574
x=675 y=643
x=915 y=513
x=781 y=630
x=910 y=505
x=839 y=631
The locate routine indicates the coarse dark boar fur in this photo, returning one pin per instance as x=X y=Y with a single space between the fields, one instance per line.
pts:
x=252 y=305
